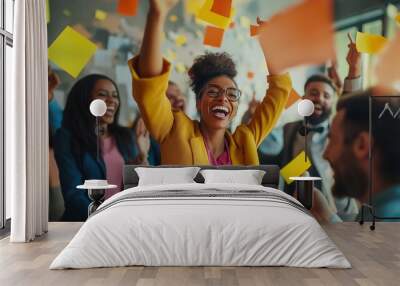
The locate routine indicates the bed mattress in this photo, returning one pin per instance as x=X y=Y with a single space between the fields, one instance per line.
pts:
x=201 y=225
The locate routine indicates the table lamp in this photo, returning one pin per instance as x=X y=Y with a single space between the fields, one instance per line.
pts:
x=305 y=184
x=96 y=188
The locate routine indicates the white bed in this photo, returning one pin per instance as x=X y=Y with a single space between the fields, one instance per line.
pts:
x=201 y=225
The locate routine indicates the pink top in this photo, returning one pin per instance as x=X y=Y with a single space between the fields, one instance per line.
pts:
x=223 y=159
x=114 y=163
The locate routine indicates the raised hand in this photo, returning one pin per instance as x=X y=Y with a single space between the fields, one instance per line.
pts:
x=150 y=59
x=142 y=137
x=353 y=59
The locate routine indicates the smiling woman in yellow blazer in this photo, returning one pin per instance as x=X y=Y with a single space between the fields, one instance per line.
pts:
x=188 y=142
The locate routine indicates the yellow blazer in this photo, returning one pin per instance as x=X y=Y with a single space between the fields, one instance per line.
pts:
x=180 y=139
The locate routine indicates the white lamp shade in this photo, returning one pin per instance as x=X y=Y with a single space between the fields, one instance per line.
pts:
x=98 y=107
x=305 y=107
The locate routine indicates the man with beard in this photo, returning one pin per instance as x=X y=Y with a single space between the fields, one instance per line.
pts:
x=322 y=92
x=348 y=154
x=286 y=143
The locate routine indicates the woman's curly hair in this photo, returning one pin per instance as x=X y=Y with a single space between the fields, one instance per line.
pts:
x=209 y=66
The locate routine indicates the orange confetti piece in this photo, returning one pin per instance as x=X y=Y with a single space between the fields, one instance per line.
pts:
x=293 y=97
x=206 y=15
x=250 y=75
x=286 y=39
x=222 y=7
x=127 y=7
x=254 y=30
x=213 y=36
x=387 y=69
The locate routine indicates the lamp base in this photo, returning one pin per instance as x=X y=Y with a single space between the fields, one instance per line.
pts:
x=304 y=190
x=97 y=197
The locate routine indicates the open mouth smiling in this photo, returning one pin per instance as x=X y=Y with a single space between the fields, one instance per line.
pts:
x=110 y=111
x=318 y=108
x=220 y=111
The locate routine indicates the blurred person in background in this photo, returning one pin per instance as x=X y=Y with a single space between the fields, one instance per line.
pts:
x=285 y=143
x=75 y=144
x=348 y=154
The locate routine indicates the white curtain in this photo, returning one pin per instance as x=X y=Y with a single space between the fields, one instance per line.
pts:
x=27 y=124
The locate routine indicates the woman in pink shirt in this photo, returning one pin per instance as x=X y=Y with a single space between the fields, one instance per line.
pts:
x=75 y=144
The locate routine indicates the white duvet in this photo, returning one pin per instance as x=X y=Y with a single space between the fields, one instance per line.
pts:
x=202 y=231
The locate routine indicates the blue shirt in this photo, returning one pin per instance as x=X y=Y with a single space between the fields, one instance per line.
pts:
x=273 y=144
x=55 y=116
x=74 y=172
x=387 y=203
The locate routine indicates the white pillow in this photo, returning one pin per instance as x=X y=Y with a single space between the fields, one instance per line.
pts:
x=164 y=176
x=248 y=177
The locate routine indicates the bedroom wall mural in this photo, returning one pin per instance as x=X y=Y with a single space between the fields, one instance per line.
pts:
x=89 y=49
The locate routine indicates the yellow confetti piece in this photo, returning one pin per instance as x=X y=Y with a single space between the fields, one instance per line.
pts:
x=173 y=18
x=180 y=40
x=368 y=43
x=245 y=22
x=200 y=22
x=71 y=51
x=296 y=167
x=210 y=17
x=180 y=68
x=192 y=7
x=398 y=18
x=100 y=15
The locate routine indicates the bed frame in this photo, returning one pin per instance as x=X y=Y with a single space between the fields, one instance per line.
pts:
x=270 y=179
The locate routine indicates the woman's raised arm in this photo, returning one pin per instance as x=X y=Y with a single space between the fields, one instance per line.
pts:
x=150 y=58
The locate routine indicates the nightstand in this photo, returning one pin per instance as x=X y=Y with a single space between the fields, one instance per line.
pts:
x=96 y=191
x=304 y=189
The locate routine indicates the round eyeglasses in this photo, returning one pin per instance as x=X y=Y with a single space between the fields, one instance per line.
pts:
x=213 y=90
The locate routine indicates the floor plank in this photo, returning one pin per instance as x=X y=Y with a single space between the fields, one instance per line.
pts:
x=374 y=255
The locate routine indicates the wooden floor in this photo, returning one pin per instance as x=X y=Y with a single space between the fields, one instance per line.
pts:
x=374 y=255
